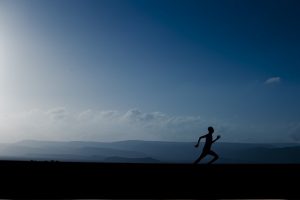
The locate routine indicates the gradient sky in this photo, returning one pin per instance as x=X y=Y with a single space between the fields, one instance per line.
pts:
x=154 y=70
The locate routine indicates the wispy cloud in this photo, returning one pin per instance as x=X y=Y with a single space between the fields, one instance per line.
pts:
x=61 y=124
x=273 y=80
x=294 y=131
x=57 y=113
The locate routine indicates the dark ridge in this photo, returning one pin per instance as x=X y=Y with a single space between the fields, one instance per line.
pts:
x=165 y=152
x=70 y=180
x=130 y=160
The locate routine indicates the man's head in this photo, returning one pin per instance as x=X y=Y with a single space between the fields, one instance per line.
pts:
x=211 y=129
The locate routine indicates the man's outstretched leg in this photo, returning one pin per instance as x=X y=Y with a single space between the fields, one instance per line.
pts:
x=200 y=157
x=216 y=157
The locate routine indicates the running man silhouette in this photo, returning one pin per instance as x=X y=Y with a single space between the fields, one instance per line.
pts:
x=207 y=146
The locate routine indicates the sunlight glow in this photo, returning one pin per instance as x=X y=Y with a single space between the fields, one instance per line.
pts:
x=9 y=56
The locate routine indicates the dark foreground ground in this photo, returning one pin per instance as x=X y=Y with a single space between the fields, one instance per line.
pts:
x=87 y=180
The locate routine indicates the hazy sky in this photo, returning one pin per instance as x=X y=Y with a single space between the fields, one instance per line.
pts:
x=153 y=70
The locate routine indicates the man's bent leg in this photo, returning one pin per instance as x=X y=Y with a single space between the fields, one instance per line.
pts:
x=203 y=154
x=216 y=157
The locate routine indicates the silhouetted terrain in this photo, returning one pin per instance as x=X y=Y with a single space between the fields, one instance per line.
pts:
x=148 y=152
x=72 y=180
x=140 y=169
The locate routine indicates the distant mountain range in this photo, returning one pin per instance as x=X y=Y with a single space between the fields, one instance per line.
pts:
x=148 y=152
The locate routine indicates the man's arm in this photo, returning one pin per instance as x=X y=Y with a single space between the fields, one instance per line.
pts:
x=199 y=140
x=218 y=137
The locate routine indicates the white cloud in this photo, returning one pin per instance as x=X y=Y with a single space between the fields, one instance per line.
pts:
x=57 y=113
x=294 y=131
x=60 y=124
x=273 y=80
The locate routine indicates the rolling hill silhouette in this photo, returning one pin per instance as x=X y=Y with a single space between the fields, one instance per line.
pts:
x=139 y=169
x=147 y=152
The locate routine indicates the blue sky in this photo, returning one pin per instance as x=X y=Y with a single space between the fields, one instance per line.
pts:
x=230 y=64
